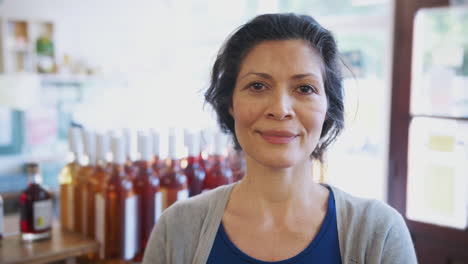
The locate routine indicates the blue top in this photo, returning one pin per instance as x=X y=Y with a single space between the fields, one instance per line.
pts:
x=324 y=248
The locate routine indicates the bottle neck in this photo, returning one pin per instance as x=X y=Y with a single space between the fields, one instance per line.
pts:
x=191 y=160
x=35 y=178
x=118 y=169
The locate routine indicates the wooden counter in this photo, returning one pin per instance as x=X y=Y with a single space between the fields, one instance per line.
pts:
x=63 y=245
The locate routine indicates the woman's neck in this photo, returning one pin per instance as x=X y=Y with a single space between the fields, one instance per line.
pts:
x=278 y=193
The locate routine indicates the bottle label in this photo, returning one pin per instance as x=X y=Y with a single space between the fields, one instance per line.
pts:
x=42 y=214
x=158 y=206
x=182 y=195
x=70 y=206
x=130 y=232
x=84 y=211
x=164 y=198
x=100 y=224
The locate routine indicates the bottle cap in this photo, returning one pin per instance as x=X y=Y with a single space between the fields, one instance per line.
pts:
x=75 y=142
x=89 y=140
x=128 y=143
x=156 y=142
x=102 y=142
x=175 y=146
x=144 y=146
x=118 y=150
x=219 y=143
x=193 y=144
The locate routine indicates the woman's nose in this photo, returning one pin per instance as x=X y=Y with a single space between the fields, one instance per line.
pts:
x=280 y=106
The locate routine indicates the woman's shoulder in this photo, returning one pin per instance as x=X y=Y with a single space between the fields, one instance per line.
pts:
x=371 y=231
x=197 y=207
x=376 y=211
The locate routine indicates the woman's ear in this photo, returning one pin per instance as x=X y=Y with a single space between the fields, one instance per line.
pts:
x=231 y=112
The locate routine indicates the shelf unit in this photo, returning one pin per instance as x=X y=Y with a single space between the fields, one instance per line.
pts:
x=18 y=43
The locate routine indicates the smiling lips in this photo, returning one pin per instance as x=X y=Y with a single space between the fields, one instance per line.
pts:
x=278 y=136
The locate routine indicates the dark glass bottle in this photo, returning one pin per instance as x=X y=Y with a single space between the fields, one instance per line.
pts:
x=149 y=196
x=193 y=170
x=121 y=204
x=173 y=182
x=35 y=207
x=96 y=193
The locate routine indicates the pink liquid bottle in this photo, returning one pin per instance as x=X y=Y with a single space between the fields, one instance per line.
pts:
x=149 y=196
x=173 y=181
x=121 y=208
x=219 y=172
x=193 y=170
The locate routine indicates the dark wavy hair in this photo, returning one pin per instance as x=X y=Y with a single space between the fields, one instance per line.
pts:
x=270 y=27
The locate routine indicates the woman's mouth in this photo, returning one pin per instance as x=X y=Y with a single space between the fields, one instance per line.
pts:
x=278 y=136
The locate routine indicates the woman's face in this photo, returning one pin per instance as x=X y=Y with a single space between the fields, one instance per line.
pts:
x=279 y=103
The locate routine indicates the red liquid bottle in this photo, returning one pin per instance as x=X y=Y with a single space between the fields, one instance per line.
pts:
x=173 y=182
x=96 y=202
x=194 y=172
x=121 y=204
x=149 y=196
x=219 y=172
x=35 y=207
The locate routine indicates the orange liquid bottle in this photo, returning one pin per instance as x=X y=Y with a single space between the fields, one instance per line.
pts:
x=173 y=182
x=96 y=202
x=81 y=187
x=121 y=208
x=67 y=179
x=149 y=196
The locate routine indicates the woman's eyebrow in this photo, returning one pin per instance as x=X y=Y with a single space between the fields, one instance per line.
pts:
x=304 y=75
x=269 y=77
x=260 y=74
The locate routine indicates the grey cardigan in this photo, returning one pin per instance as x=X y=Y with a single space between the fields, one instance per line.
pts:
x=369 y=231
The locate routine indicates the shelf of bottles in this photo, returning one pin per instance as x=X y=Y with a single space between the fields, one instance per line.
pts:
x=437 y=191
x=115 y=197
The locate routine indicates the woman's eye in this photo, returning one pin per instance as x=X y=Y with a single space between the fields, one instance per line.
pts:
x=305 y=89
x=257 y=87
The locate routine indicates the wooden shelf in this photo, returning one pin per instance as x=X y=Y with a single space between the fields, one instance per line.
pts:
x=63 y=245
x=456 y=118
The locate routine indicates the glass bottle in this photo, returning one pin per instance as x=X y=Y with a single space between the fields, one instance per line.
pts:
x=81 y=188
x=149 y=196
x=96 y=186
x=67 y=179
x=219 y=172
x=121 y=208
x=45 y=52
x=35 y=207
x=1 y=217
x=157 y=162
x=173 y=182
x=194 y=172
x=130 y=169
x=236 y=163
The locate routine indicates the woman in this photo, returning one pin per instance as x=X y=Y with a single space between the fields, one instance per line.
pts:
x=276 y=88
